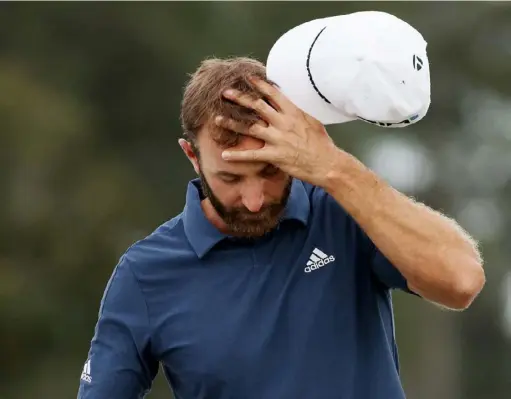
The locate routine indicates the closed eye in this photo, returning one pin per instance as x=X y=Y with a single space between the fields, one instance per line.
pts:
x=229 y=178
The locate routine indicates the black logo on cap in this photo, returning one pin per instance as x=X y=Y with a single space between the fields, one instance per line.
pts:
x=417 y=63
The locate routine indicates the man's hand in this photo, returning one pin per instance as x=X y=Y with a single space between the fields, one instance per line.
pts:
x=295 y=142
x=437 y=258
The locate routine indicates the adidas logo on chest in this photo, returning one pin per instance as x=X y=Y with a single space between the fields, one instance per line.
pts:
x=318 y=259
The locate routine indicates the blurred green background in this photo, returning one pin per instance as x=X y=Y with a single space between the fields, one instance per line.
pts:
x=89 y=163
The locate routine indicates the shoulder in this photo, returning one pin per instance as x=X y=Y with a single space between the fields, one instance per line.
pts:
x=329 y=217
x=161 y=248
x=323 y=203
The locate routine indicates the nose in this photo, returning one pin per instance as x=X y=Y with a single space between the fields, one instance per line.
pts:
x=253 y=197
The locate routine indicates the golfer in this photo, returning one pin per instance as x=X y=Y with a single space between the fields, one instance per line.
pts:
x=274 y=281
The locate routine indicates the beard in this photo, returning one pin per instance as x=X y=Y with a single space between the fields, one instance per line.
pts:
x=242 y=222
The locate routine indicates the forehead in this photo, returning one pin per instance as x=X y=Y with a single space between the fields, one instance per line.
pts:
x=211 y=153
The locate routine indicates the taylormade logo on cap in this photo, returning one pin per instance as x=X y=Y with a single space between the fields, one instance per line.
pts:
x=417 y=63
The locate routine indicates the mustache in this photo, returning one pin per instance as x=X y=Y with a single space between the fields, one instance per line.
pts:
x=266 y=210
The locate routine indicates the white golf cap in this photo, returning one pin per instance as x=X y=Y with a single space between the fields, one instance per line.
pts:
x=368 y=65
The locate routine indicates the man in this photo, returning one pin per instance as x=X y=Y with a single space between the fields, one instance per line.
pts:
x=274 y=282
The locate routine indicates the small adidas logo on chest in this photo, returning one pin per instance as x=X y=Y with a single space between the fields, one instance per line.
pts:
x=318 y=259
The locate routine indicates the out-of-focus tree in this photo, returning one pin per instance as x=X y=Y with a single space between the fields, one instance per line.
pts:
x=89 y=163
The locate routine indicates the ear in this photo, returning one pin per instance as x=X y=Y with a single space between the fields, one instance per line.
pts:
x=190 y=154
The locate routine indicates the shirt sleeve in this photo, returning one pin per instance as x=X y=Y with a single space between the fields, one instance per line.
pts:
x=119 y=363
x=383 y=270
x=387 y=273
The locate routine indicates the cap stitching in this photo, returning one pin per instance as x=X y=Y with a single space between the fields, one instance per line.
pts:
x=308 y=67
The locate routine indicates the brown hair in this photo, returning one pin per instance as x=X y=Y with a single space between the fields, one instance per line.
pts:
x=202 y=99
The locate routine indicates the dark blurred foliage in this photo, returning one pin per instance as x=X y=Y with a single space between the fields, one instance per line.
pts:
x=89 y=163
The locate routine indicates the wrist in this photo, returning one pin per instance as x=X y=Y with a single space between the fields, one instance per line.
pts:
x=354 y=186
x=338 y=167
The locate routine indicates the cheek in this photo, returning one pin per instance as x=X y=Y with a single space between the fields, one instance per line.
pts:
x=274 y=188
x=228 y=194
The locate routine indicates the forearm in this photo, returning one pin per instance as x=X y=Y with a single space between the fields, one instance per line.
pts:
x=438 y=259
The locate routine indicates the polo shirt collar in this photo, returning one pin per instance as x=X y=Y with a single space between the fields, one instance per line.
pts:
x=203 y=235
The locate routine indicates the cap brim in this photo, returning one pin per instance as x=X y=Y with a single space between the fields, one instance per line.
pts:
x=292 y=76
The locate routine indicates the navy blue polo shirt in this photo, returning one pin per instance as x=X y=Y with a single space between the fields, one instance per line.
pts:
x=304 y=312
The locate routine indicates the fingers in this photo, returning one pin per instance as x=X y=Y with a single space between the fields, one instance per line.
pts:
x=273 y=94
x=257 y=130
x=262 y=155
x=261 y=107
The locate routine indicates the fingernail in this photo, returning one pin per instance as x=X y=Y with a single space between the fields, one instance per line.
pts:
x=229 y=92
x=218 y=119
x=226 y=154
